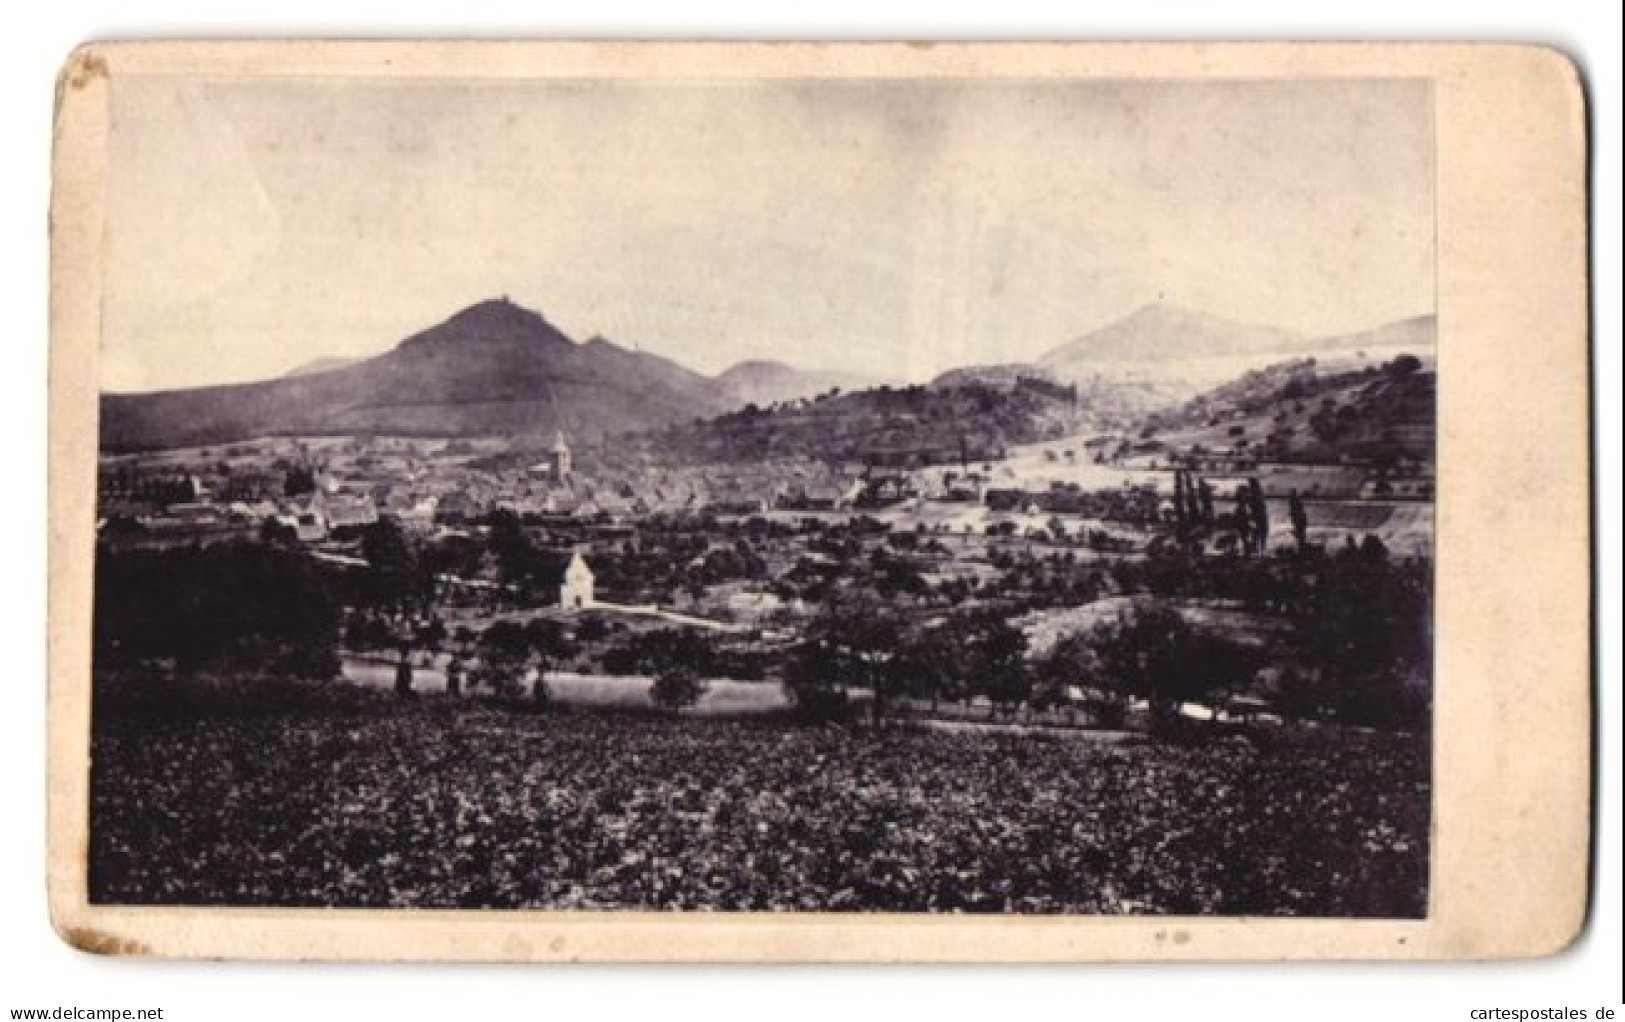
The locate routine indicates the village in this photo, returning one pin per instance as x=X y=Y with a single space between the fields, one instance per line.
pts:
x=608 y=543
x=1081 y=604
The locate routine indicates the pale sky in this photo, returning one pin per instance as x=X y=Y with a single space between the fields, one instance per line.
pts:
x=887 y=227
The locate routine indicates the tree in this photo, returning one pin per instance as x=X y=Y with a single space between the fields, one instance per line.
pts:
x=655 y=651
x=592 y=628
x=1241 y=518
x=676 y=687
x=298 y=482
x=1403 y=366
x=812 y=680
x=396 y=574
x=1154 y=655
x=1364 y=633
x=852 y=641
x=1204 y=500
x=431 y=634
x=1057 y=528
x=1193 y=498
x=506 y=657
x=547 y=638
x=454 y=675
x=1298 y=694
x=369 y=631
x=1181 y=516
x=1072 y=662
x=929 y=665
x=995 y=654
x=1259 y=511
x=1300 y=522
x=403 y=675
x=1372 y=549
x=509 y=545
x=272 y=531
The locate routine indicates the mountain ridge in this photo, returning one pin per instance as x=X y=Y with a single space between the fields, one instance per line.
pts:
x=497 y=368
x=1164 y=330
x=492 y=368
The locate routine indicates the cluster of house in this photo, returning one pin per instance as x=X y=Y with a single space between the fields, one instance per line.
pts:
x=435 y=490
x=549 y=490
x=324 y=511
x=165 y=510
x=345 y=485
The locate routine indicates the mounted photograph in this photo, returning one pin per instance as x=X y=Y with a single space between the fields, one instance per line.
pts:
x=636 y=486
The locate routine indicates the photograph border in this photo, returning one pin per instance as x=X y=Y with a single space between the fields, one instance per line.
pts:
x=1512 y=735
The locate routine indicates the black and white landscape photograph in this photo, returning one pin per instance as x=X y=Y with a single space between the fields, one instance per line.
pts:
x=819 y=495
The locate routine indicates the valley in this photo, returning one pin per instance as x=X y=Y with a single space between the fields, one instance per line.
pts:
x=1123 y=567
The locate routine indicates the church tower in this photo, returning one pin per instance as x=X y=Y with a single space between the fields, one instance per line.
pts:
x=561 y=458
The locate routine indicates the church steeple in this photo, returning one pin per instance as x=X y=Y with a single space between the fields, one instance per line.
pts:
x=561 y=458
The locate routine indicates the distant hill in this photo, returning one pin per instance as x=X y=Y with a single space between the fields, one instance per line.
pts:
x=1105 y=399
x=1003 y=375
x=897 y=427
x=1374 y=402
x=1161 y=355
x=494 y=368
x=762 y=382
x=1161 y=332
x=1417 y=335
x=325 y=364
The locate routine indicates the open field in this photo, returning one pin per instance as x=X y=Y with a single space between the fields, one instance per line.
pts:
x=447 y=804
x=723 y=696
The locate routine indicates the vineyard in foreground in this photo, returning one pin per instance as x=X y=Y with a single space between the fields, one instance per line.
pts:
x=437 y=804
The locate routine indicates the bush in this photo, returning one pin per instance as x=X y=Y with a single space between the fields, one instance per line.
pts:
x=819 y=704
x=592 y=629
x=655 y=651
x=1403 y=366
x=1106 y=712
x=677 y=687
